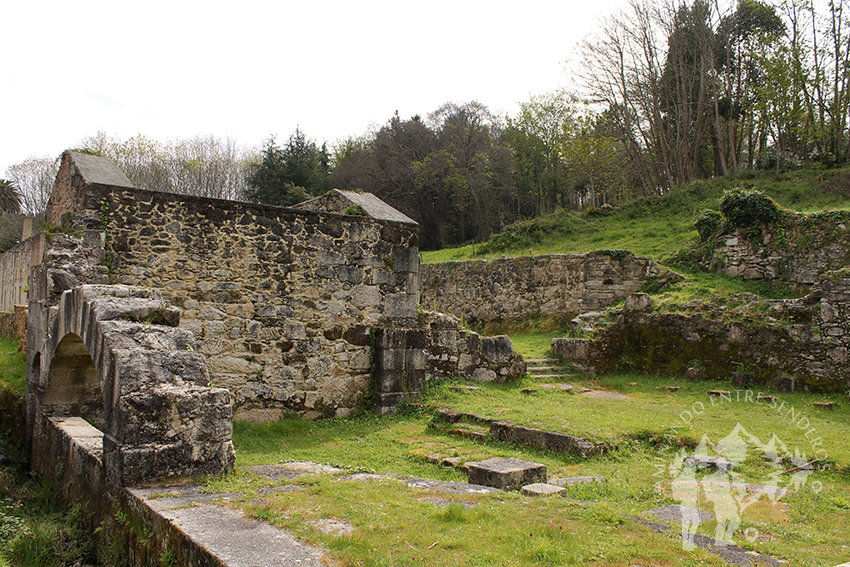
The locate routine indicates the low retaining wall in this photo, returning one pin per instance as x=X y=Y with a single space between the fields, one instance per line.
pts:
x=797 y=251
x=508 y=432
x=512 y=289
x=805 y=339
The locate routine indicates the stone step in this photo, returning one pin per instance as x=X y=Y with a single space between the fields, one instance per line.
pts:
x=555 y=376
x=542 y=361
x=537 y=369
x=480 y=436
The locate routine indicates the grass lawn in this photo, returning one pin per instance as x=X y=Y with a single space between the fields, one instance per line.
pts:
x=398 y=525
x=13 y=369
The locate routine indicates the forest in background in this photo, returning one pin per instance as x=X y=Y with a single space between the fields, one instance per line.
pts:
x=666 y=93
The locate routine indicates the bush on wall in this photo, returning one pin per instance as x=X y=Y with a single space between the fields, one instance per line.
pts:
x=743 y=208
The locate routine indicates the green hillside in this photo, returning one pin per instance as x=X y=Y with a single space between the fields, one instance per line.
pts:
x=655 y=227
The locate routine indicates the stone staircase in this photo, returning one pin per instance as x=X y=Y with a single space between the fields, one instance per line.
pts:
x=548 y=369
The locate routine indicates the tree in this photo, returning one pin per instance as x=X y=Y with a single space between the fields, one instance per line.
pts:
x=289 y=175
x=33 y=179
x=10 y=199
x=596 y=160
x=204 y=165
x=536 y=137
x=208 y=167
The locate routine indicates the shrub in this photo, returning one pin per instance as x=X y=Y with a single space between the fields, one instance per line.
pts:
x=744 y=209
x=707 y=223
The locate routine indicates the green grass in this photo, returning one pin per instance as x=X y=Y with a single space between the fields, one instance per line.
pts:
x=534 y=345
x=34 y=530
x=397 y=525
x=13 y=370
x=655 y=227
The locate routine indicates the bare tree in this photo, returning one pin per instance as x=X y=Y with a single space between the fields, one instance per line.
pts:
x=34 y=179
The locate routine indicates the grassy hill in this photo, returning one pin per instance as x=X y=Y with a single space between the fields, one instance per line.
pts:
x=655 y=227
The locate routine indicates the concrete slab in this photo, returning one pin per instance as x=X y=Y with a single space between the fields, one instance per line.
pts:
x=171 y=498
x=288 y=471
x=733 y=554
x=333 y=526
x=540 y=489
x=467 y=488
x=601 y=395
x=576 y=480
x=675 y=512
x=308 y=467
x=239 y=542
x=559 y=387
x=507 y=474
x=100 y=171
x=363 y=477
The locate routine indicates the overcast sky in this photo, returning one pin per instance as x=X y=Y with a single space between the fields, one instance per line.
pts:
x=250 y=69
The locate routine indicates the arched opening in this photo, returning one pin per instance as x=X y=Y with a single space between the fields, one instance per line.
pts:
x=73 y=387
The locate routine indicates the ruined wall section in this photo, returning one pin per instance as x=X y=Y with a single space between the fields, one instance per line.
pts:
x=805 y=340
x=14 y=271
x=795 y=252
x=280 y=301
x=511 y=289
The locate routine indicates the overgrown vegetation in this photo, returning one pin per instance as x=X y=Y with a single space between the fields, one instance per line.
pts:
x=397 y=525
x=34 y=530
x=660 y=227
x=13 y=370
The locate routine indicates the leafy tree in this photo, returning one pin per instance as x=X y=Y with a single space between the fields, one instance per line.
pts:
x=537 y=137
x=291 y=174
x=10 y=199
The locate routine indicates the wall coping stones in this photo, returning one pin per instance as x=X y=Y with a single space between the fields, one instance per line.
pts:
x=337 y=201
x=96 y=170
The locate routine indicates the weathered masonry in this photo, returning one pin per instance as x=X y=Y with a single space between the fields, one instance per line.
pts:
x=512 y=289
x=290 y=309
x=153 y=319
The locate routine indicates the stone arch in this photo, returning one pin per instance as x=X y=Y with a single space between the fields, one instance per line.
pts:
x=73 y=387
x=143 y=384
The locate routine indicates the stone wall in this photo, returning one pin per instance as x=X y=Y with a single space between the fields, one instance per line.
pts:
x=797 y=251
x=14 y=271
x=406 y=358
x=511 y=289
x=280 y=301
x=805 y=339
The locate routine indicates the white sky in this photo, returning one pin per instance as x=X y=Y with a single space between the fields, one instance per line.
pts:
x=248 y=69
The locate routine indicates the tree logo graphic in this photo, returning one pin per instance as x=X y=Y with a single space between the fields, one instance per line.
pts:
x=709 y=475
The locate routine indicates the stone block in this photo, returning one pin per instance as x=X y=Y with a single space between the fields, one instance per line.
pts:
x=506 y=474
x=718 y=462
x=637 y=302
x=677 y=513
x=561 y=442
x=577 y=480
x=540 y=489
x=502 y=431
x=785 y=384
x=740 y=380
x=694 y=374
x=365 y=296
x=484 y=375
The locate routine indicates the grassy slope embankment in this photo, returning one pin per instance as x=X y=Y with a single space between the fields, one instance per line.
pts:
x=655 y=227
